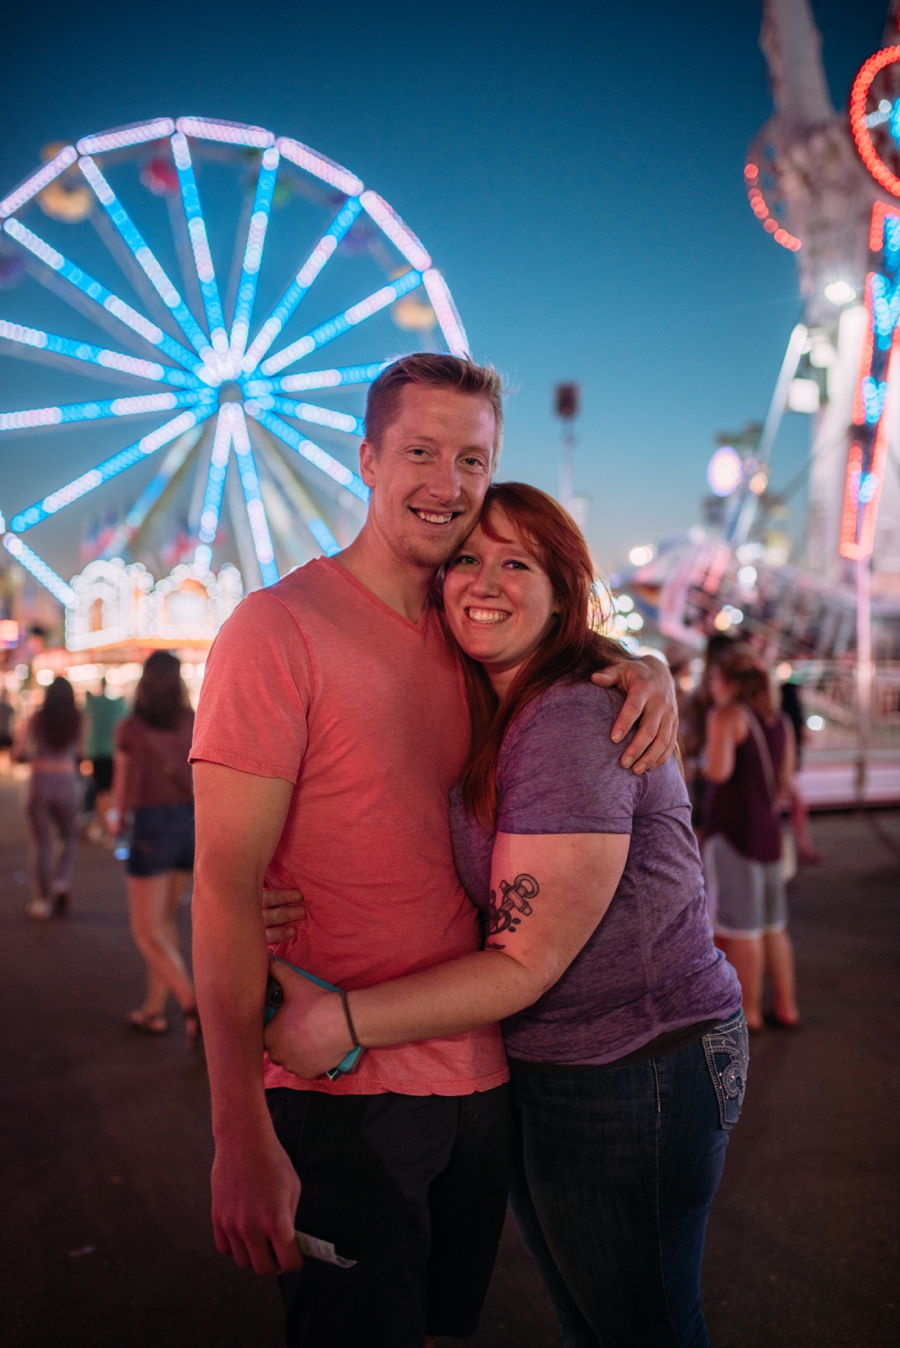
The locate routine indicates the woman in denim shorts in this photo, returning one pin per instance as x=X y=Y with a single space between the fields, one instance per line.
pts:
x=622 y=1021
x=152 y=781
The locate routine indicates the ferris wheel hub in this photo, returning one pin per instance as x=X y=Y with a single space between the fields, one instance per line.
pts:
x=230 y=393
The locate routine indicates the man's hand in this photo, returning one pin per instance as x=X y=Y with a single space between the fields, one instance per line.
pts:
x=255 y=1192
x=308 y=1034
x=649 y=696
x=282 y=910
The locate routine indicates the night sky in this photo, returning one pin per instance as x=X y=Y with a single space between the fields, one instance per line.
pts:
x=574 y=170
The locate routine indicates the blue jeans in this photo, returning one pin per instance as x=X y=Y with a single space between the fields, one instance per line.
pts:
x=614 y=1174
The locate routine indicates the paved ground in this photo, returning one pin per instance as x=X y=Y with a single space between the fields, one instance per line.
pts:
x=105 y=1143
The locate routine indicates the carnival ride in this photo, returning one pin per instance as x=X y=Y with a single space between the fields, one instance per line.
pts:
x=114 y=229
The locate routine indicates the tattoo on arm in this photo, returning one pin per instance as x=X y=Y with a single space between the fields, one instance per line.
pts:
x=504 y=911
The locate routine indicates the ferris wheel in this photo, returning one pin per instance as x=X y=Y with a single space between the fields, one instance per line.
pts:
x=217 y=328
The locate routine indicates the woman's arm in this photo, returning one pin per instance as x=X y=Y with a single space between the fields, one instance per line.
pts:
x=120 y=781
x=549 y=892
x=723 y=735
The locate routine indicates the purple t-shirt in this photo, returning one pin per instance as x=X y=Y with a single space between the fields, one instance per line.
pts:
x=650 y=967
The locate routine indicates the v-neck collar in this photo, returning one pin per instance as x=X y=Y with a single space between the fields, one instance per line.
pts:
x=419 y=627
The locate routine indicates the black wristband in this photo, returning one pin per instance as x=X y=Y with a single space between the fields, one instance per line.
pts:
x=346 y=1004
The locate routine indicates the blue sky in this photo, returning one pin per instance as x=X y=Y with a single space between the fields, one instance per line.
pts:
x=575 y=170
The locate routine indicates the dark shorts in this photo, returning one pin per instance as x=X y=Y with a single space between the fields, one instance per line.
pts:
x=103 y=772
x=162 y=839
x=412 y=1187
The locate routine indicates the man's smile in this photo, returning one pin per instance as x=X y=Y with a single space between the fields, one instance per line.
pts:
x=432 y=517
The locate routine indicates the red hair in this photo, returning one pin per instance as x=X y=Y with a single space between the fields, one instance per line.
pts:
x=572 y=650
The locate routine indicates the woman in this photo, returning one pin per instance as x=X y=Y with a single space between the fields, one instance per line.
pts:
x=749 y=768
x=52 y=744
x=152 y=779
x=622 y=1022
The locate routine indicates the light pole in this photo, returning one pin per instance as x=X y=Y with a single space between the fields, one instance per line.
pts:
x=567 y=400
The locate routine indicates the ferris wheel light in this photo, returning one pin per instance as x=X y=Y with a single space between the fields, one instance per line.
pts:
x=259 y=526
x=396 y=229
x=232 y=133
x=253 y=251
x=318 y=416
x=215 y=480
x=135 y=134
x=327 y=332
x=35 y=244
x=308 y=450
x=203 y=262
x=94 y=355
x=446 y=313
x=144 y=257
x=35 y=182
x=93 y=411
x=318 y=164
x=725 y=471
x=40 y=570
x=324 y=537
x=301 y=283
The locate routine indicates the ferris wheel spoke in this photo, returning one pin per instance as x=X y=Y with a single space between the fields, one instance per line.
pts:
x=215 y=486
x=256 y=511
x=151 y=496
x=301 y=283
x=103 y=298
x=40 y=570
x=253 y=251
x=308 y=450
x=446 y=312
x=341 y=323
x=104 y=410
x=312 y=379
x=111 y=467
x=206 y=272
x=146 y=260
x=30 y=342
x=318 y=416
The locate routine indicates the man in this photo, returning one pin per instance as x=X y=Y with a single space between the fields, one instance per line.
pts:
x=332 y=723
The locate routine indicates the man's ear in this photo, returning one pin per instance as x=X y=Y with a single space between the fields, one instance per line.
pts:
x=367 y=461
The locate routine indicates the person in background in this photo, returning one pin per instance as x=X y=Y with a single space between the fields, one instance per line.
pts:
x=52 y=744
x=749 y=769
x=693 y=710
x=152 y=780
x=792 y=708
x=101 y=712
x=7 y=726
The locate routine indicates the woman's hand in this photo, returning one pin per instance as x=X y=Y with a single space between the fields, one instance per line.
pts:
x=649 y=697
x=308 y=1034
x=282 y=910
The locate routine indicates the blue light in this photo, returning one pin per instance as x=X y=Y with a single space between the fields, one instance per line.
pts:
x=874 y=394
x=318 y=416
x=142 y=405
x=256 y=238
x=324 y=537
x=885 y=309
x=26 y=519
x=100 y=295
x=144 y=257
x=215 y=482
x=206 y=273
x=295 y=383
x=40 y=570
x=96 y=355
x=357 y=313
x=301 y=283
x=256 y=512
x=308 y=450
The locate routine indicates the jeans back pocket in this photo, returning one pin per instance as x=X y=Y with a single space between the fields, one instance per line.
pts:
x=727 y=1049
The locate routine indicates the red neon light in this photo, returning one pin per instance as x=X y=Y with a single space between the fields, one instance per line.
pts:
x=761 y=211
x=858 y=97
x=865 y=356
x=849 y=546
x=876 y=226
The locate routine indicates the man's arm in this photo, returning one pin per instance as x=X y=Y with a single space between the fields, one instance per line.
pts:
x=255 y=1188
x=649 y=695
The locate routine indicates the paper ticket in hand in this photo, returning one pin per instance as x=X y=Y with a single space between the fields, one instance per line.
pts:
x=313 y=1248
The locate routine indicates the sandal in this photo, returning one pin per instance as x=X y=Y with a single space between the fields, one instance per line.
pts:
x=192 y=1031
x=148 y=1022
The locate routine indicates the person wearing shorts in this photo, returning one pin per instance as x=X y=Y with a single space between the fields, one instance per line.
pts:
x=152 y=784
x=749 y=769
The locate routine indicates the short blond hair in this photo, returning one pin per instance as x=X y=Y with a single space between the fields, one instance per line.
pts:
x=457 y=373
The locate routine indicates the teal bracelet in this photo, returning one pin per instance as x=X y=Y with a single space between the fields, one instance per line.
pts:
x=346 y=1005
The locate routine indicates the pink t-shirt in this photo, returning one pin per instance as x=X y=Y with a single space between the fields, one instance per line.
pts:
x=319 y=682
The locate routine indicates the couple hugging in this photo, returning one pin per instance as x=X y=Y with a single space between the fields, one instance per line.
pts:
x=426 y=738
